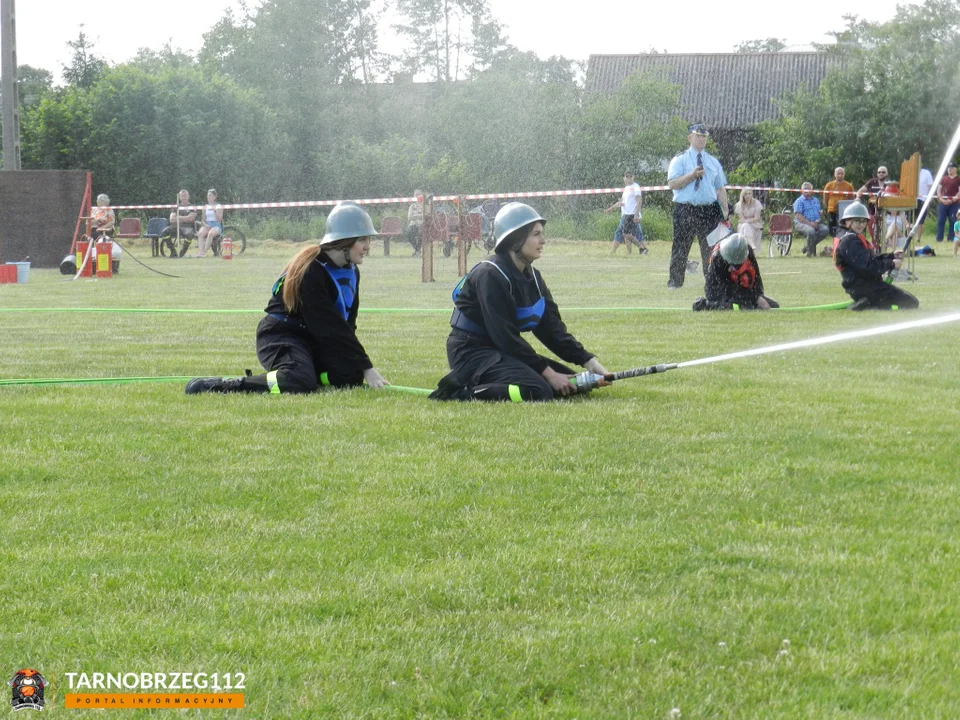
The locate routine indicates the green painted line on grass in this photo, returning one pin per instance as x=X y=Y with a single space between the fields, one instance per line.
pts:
x=398 y=311
x=408 y=390
x=842 y=305
x=162 y=378
x=96 y=381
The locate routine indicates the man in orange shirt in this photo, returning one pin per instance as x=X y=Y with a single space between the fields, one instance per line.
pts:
x=833 y=192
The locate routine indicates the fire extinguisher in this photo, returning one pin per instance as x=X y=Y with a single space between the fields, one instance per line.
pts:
x=226 y=248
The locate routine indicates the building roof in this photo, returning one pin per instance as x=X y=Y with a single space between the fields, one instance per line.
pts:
x=723 y=90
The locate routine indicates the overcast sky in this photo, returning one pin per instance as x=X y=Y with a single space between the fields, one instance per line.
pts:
x=574 y=28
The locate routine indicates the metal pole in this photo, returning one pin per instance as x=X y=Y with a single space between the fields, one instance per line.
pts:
x=8 y=85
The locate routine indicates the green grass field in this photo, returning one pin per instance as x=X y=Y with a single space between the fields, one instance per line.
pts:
x=774 y=537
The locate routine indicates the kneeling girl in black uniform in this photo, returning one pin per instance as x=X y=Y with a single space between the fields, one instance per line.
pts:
x=308 y=337
x=497 y=301
x=733 y=279
x=862 y=270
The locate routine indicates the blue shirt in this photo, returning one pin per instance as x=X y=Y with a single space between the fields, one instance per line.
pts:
x=808 y=207
x=713 y=178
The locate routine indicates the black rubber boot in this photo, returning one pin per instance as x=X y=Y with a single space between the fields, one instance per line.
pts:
x=214 y=384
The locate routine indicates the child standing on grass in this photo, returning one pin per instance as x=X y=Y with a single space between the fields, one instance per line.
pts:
x=308 y=337
x=956 y=235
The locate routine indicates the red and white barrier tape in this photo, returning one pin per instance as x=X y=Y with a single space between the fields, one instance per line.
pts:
x=456 y=198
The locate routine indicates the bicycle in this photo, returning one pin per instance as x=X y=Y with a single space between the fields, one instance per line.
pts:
x=170 y=247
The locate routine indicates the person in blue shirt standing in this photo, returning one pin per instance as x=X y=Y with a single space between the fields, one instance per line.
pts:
x=699 y=201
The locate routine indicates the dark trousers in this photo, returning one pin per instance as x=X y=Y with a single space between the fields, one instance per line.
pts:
x=690 y=221
x=298 y=368
x=481 y=372
x=946 y=214
x=878 y=295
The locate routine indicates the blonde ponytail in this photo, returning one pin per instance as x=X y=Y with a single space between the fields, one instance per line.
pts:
x=295 y=271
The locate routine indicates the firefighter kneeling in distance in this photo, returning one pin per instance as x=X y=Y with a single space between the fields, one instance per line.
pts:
x=862 y=269
x=732 y=280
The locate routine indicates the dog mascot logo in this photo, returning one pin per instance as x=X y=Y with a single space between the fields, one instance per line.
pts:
x=28 y=688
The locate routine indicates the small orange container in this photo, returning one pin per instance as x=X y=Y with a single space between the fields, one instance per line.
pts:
x=83 y=262
x=104 y=252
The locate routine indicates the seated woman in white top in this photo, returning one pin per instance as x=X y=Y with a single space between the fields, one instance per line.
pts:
x=749 y=219
x=212 y=223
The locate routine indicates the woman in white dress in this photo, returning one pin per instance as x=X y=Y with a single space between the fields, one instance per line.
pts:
x=749 y=219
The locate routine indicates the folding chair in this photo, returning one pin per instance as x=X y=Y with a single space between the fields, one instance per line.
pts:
x=129 y=228
x=155 y=228
x=390 y=227
x=781 y=234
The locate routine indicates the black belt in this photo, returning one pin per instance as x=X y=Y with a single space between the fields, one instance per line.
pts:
x=459 y=321
x=288 y=319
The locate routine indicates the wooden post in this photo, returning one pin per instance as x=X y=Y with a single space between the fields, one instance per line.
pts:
x=461 y=243
x=426 y=243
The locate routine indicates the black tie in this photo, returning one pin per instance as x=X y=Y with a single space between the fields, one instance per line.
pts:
x=696 y=185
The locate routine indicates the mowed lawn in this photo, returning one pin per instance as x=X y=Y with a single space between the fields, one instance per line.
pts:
x=772 y=537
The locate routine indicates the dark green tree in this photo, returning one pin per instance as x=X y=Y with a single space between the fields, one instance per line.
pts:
x=33 y=84
x=892 y=92
x=85 y=66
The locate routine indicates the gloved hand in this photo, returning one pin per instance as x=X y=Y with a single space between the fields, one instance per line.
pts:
x=594 y=366
x=374 y=379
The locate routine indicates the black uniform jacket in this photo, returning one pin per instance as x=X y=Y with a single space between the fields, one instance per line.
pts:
x=857 y=264
x=317 y=319
x=491 y=301
x=727 y=284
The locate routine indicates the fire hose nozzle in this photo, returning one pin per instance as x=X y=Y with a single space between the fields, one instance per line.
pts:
x=586 y=381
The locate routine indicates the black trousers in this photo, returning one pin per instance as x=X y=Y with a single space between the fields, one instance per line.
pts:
x=689 y=222
x=879 y=295
x=299 y=368
x=481 y=372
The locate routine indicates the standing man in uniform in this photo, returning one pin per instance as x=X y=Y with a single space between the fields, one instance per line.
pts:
x=699 y=201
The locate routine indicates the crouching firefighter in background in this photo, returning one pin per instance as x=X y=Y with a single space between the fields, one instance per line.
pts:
x=308 y=338
x=862 y=270
x=498 y=300
x=733 y=279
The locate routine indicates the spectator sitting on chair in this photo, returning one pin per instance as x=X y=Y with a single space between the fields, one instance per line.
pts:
x=807 y=219
x=896 y=231
x=102 y=224
x=102 y=218
x=182 y=219
x=862 y=270
x=414 y=231
x=750 y=220
x=873 y=186
x=212 y=223
x=733 y=279
x=629 y=229
x=833 y=192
